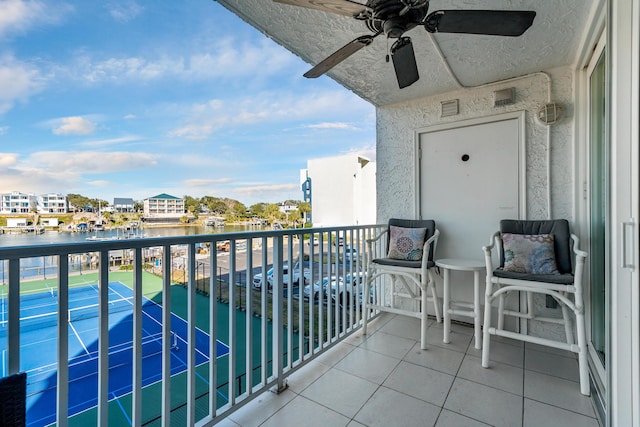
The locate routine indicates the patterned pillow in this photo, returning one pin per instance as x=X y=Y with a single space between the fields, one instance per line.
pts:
x=529 y=253
x=406 y=243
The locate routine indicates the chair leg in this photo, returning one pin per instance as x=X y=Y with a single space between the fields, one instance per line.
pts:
x=568 y=327
x=582 y=355
x=434 y=295
x=366 y=303
x=423 y=315
x=501 y=311
x=486 y=325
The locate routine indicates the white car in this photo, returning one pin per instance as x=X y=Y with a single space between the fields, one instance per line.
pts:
x=315 y=293
x=258 y=281
x=351 y=288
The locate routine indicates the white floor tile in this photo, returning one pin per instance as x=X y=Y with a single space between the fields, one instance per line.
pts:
x=557 y=392
x=390 y=408
x=367 y=364
x=265 y=405
x=420 y=382
x=538 y=414
x=354 y=392
x=301 y=379
x=499 y=375
x=438 y=358
x=390 y=345
x=304 y=412
x=551 y=364
x=486 y=404
x=501 y=352
x=452 y=419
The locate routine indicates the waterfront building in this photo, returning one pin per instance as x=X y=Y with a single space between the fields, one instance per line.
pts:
x=17 y=202
x=163 y=206
x=53 y=203
x=122 y=204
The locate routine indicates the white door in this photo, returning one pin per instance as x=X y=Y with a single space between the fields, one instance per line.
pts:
x=470 y=179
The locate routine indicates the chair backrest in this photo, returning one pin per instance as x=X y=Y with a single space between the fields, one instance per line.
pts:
x=558 y=227
x=429 y=224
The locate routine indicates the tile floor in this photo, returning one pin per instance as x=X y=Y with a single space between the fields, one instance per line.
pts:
x=385 y=379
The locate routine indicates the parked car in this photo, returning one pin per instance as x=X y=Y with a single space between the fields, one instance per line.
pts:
x=313 y=291
x=350 y=254
x=351 y=288
x=296 y=276
x=258 y=280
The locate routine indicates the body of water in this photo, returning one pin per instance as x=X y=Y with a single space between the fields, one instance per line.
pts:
x=52 y=237
x=37 y=268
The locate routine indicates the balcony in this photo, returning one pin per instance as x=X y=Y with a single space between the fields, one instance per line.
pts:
x=280 y=359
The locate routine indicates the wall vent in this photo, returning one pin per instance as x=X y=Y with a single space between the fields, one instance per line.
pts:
x=449 y=108
x=504 y=97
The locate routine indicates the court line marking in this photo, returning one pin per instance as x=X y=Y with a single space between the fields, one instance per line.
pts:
x=178 y=318
x=78 y=337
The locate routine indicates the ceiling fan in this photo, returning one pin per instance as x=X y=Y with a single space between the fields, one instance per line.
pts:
x=395 y=17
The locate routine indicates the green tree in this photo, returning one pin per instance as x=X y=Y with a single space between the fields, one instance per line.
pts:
x=191 y=204
x=304 y=208
x=258 y=209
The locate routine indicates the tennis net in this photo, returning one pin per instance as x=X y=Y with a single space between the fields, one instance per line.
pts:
x=37 y=321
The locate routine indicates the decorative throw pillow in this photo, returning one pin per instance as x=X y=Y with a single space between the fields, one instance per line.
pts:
x=529 y=253
x=406 y=243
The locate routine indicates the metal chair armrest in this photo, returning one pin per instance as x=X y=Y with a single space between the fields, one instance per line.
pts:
x=425 y=248
x=487 y=252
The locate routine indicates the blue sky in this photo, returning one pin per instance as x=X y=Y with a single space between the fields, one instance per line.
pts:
x=132 y=99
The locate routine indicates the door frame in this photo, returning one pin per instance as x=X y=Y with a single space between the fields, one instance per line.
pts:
x=522 y=153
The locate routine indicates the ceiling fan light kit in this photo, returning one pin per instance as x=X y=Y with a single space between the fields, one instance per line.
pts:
x=395 y=17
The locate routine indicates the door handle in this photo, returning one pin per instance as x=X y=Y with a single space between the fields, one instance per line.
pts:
x=626 y=227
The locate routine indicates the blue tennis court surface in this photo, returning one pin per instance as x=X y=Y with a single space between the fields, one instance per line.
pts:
x=38 y=353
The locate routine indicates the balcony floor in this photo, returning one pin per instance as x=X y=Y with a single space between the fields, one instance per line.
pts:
x=384 y=379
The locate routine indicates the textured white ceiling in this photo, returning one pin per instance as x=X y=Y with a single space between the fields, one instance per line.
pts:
x=553 y=40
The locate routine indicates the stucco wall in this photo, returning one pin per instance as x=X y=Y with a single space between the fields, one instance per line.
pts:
x=396 y=134
x=397 y=124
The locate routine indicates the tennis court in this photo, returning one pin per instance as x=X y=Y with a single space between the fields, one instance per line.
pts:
x=38 y=332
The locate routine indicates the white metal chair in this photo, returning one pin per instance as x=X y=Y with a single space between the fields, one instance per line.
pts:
x=410 y=277
x=544 y=268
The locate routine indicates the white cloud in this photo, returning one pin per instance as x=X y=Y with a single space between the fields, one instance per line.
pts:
x=265 y=188
x=21 y=15
x=224 y=59
x=124 y=11
x=331 y=125
x=8 y=160
x=202 y=182
x=110 y=141
x=92 y=162
x=74 y=126
x=205 y=119
x=3 y=129
x=18 y=81
x=100 y=183
x=129 y=117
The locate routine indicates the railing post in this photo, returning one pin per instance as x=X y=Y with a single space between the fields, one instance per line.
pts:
x=278 y=315
x=14 y=316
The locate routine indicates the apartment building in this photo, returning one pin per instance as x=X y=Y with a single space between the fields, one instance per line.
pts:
x=17 y=202
x=53 y=203
x=163 y=206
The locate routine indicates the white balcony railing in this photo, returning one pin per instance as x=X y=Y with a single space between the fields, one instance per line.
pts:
x=247 y=325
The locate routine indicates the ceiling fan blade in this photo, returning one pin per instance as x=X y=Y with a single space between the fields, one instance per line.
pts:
x=339 y=55
x=511 y=23
x=404 y=62
x=342 y=7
